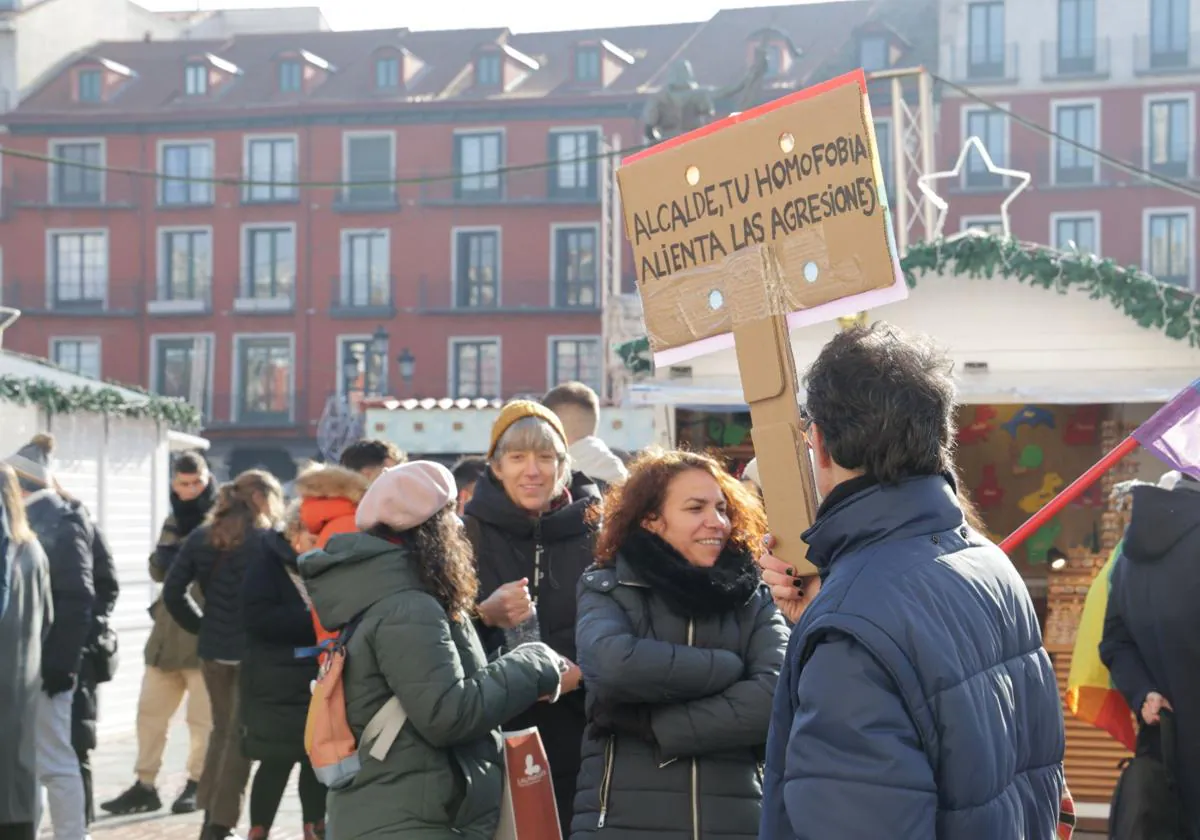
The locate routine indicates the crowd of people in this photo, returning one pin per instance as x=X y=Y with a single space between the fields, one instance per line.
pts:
x=685 y=682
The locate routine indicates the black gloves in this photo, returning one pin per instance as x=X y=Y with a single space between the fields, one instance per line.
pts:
x=621 y=718
x=56 y=682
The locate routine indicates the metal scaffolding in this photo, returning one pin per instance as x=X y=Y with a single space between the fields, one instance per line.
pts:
x=913 y=134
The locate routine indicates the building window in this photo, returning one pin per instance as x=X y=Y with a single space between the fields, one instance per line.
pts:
x=773 y=58
x=1076 y=36
x=575 y=272
x=1170 y=141
x=1073 y=164
x=477 y=161
x=574 y=172
x=587 y=64
x=883 y=144
x=487 y=70
x=387 y=73
x=1170 y=248
x=91 y=86
x=271 y=169
x=291 y=77
x=873 y=52
x=270 y=263
x=365 y=257
x=1075 y=233
x=990 y=128
x=186 y=272
x=985 y=40
x=477 y=268
x=988 y=224
x=181 y=369
x=475 y=369
x=370 y=169
x=187 y=173
x=195 y=82
x=576 y=360
x=78 y=355
x=79 y=268
x=1170 y=33
x=78 y=177
x=265 y=380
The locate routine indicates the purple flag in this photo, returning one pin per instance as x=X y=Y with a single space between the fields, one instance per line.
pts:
x=1173 y=433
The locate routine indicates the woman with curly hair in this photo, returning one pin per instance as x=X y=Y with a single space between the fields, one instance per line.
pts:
x=680 y=648
x=409 y=584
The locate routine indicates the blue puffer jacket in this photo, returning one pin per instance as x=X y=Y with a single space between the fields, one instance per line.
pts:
x=916 y=700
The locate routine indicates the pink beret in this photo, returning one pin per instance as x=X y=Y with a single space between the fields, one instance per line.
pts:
x=406 y=496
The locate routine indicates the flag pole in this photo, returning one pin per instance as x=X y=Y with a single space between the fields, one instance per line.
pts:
x=1072 y=492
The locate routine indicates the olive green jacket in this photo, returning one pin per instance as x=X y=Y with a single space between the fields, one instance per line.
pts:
x=170 y=647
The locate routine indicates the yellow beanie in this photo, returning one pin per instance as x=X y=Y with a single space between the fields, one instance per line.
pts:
x=519 y=410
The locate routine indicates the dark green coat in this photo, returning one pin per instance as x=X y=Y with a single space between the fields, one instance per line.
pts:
x=442 y=780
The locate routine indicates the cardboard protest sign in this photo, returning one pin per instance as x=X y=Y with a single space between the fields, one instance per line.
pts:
x=755 y=225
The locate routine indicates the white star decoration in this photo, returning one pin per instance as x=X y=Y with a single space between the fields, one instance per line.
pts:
x=1023 y=179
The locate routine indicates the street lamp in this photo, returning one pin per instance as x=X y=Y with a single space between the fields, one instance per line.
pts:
x=376 y=361
x=407 y=364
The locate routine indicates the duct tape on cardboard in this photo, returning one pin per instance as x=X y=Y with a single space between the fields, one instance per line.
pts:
x=774 y=211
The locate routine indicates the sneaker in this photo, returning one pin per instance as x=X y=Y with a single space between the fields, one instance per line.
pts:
x=185 y=803
x=139 y=799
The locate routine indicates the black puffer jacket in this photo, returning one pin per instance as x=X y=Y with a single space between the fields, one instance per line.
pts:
x=702 y=687
x=505 y=539
x=66 y=537
x=220 y=575
x=275 y=685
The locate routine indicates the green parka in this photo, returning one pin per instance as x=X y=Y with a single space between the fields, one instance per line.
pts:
x=442 y=779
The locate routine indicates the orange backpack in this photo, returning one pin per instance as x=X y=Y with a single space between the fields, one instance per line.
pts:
x=328 y=739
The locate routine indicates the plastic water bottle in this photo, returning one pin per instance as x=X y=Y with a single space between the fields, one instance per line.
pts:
x=525 y=632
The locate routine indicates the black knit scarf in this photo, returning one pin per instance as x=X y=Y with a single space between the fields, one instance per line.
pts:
x=190 y=515
x=691 y=591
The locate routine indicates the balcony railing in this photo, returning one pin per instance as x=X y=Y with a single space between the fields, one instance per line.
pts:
x=180 y=302
x=531 y=298
x=276 y=188
x=1076 y=61
x=1180 y=53
x=285 y=409
x=367 y=198
x=359 y=297
x=565 y=183
x=79 y=299
x=53 y=186
x=997 y=66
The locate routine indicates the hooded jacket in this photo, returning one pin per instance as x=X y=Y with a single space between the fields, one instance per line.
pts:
x=592 y=457
x=66 y=537
x=443 y=778
x=1151 y=638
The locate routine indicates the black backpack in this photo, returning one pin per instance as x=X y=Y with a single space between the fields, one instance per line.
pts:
x=1145 y=803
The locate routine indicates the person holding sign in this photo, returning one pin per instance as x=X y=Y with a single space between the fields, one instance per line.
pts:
x=916 y=699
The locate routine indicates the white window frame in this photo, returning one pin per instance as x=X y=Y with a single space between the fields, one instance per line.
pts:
x=344 y=260
x=245 y=302
x=501 y=175
x=52 y=146
x=1094 y=216
x=452 y=344
x=598 y=132
x=552 y=340
x=187 y=78
x=964 y=120
x=1148 y=101
x=347 y=136
x=1095 y=103
x=1147 y=214
x=965 y=222
x=160 y=157
x=235 y=396
x=209 y=395
x=162 y=306
x=247 y=173
x=454 y=234
x=52 y=279
x=555 y=227
x=55 y=340
x=885 y=123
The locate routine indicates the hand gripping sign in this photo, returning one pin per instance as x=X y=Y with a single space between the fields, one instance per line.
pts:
x=743 y=230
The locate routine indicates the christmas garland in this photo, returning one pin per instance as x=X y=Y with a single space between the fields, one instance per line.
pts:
x=1171 y=310
x=56 y=399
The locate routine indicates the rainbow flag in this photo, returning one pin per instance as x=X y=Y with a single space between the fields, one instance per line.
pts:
x=1091 y=696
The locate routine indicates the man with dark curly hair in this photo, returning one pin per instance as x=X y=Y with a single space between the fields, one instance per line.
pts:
x=916 y=699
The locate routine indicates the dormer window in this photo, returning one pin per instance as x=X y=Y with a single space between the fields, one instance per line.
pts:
x=195 y=80
x=488 y=70
x=90 y=86
x=774 y=55
x=587 y=65
x=291 y=77
x=873 y=52
x=387 y=73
